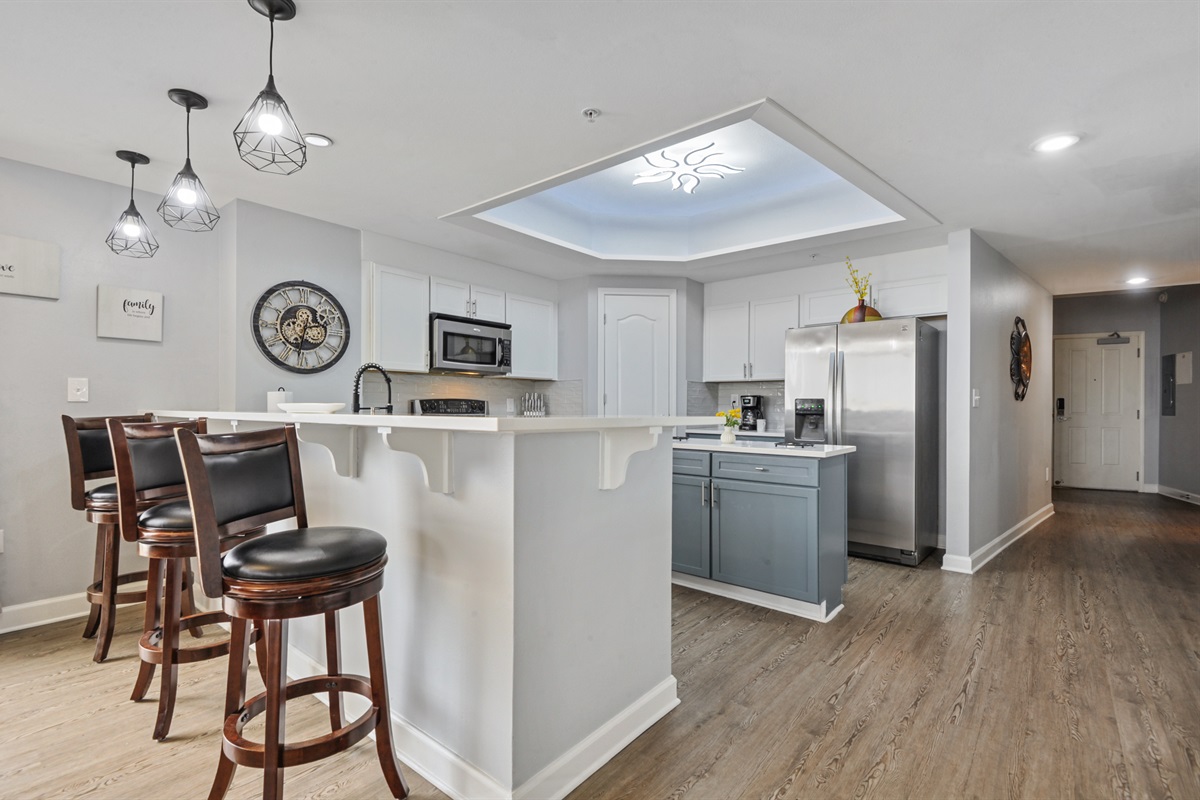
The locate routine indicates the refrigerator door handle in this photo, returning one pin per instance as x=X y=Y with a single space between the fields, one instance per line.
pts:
x=831 y=395
x=841 y=391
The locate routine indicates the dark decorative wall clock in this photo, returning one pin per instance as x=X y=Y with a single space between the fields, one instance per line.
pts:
x=300 y=327
x=1021 y=365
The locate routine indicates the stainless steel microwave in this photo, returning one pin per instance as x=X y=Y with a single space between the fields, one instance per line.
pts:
x=469 y=346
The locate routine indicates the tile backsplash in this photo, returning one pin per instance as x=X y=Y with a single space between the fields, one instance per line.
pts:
x=708 y=398
x=563 y=398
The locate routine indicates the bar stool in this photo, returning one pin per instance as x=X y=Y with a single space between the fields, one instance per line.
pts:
x=244 y=480
x=90 y=458
x=148 y=471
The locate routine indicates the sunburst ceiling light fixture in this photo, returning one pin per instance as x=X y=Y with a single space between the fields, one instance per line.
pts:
x=131 y=236
x=268 y=138
x=186 y=205
x=684 y=172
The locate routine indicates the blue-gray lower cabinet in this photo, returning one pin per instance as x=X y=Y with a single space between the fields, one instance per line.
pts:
x=764 y=537
x=690 y=525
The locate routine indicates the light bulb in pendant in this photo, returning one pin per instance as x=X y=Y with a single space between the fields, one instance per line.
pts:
x=131 y=229
x=186 y=196
x=270 y=124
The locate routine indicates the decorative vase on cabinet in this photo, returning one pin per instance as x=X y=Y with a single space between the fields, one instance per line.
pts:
x=862 y=313
x=728 y=436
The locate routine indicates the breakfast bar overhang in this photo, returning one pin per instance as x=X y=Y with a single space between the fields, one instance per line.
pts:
x=527 y=597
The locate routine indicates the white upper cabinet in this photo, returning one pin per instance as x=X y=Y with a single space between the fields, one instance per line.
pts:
x=727 y=342
x=465 y=300
x=534 y=336
x=397 y=330
x=769 y=322
x=744 y=341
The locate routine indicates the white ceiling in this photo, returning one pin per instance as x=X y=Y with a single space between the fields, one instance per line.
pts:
x=440 y=106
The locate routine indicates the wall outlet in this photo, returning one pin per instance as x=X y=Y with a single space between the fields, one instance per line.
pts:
x=733 y=401
x=77 y=390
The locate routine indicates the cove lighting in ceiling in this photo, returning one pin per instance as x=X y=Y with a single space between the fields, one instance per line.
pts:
x=1059 y=141
x=788 y=184
x=684 y=169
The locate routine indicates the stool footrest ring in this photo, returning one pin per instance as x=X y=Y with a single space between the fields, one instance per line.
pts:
x=95 y=592
x=246 y=753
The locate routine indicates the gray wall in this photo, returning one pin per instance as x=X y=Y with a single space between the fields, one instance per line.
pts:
x=274 y=246
x=1000 y=449
x=1124 y=311
x=48 y=545
x=1180 y=435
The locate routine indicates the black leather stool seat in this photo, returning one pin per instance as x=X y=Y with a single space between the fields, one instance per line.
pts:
x=105 y=495
x=304 y=553
x=173 y=516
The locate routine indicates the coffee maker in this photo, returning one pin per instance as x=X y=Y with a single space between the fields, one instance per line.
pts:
x=810 y=420
x=752 y=411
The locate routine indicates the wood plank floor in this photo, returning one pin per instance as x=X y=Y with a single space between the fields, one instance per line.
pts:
x=1068 y=667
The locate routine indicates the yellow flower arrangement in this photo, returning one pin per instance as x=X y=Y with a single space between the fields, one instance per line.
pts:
x=859 y=284
x=732 y=417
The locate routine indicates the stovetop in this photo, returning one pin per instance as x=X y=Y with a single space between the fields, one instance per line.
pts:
x=447 y=406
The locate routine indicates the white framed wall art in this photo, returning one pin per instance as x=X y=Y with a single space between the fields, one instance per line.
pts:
x=29 y=267
x=129 y=314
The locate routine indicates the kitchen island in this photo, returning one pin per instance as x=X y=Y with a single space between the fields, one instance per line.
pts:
x=527 y=603
x=762 y=524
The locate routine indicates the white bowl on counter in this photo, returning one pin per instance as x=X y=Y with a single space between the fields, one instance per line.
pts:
x=311 y=408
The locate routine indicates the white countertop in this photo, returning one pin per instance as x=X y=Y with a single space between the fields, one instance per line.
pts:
x=769 y=434
x=562 y=424
x=767 y=448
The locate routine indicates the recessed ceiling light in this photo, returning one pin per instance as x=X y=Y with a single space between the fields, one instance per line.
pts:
x=317 y=139
x=1136 y=281
x=1059 y=141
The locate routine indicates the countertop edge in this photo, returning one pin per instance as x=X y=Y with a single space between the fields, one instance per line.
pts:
x=768 y=449
x=561 y=424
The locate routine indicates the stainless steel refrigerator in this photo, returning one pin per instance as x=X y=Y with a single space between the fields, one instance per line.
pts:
x=873 y=385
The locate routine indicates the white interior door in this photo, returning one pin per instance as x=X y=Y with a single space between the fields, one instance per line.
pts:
x=636 y=358
x=1098 y=413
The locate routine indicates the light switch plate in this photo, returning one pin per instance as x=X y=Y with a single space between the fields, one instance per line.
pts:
x=77 y=390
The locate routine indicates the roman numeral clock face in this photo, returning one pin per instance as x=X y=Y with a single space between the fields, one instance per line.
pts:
x=300 y=327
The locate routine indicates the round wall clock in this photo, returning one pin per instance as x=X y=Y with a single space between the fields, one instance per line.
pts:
x=1021 y=365
x=300 y=327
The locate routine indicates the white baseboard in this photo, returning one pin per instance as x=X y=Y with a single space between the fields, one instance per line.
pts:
x=455 y=776
x=1149 y=488
x=1178 y=494
x=573 y=767
x=971 y=564
x=797 y=608
x=43 y=612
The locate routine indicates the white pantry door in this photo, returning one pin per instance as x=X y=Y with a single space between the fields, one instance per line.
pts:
x=1098 y=413
x=636 y=353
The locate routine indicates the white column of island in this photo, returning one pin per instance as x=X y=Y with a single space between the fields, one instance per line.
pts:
x=527 y=598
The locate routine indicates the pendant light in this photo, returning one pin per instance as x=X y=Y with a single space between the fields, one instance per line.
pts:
x=186 y=205
x=131 y=236
x=267 y=137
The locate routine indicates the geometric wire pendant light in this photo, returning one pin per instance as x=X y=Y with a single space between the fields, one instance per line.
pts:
x=267 y=138
x=131 y=236
x=186 y=205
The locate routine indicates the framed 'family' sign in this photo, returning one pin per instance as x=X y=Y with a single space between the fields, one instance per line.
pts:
x=129 y=314
x=28 y=267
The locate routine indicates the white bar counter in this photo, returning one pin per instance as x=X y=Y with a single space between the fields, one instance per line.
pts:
x=527 y=598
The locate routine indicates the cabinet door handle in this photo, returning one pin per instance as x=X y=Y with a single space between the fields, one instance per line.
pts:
x=743 y=371
x=714 y=494
x=751 y=375
x=703 y=494
x=761 y=469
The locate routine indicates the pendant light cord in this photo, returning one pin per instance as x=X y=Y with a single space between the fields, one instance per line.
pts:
x=271 y=50
x=189 y=133
x=132 y=167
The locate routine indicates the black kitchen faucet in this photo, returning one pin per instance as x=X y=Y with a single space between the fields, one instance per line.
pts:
x=357 y=406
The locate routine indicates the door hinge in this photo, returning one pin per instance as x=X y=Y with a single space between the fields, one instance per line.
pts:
x=606 y=319
x=1139 y=355
x=1139 y=476
x=606 y=399
x=1139 y=416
